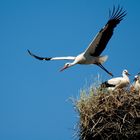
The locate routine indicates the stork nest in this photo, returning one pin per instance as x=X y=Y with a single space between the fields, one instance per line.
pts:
x=108 y=115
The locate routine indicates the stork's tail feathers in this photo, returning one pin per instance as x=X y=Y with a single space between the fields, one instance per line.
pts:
x=102 y=59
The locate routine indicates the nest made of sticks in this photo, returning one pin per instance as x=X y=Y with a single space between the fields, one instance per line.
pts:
x=108 y=115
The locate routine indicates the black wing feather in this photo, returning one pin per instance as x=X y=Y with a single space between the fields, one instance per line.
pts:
x=38 y=57
x=106 y=33
x=106 y=85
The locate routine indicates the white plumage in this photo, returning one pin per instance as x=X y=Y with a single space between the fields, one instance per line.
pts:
x=135 y=87
x=118 y=82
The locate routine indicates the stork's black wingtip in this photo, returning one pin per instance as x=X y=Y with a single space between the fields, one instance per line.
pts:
x=117 y=13
x=29 y=52
x=111 y=74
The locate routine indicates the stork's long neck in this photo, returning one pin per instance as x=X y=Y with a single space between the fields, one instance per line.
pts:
x=73 y=63
x=125 y=76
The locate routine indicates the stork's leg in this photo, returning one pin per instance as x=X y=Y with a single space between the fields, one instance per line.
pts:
x=102 y=67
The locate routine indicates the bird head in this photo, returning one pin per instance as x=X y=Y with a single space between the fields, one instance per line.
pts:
x=126 y=72
x=67 y=65
x=135 y=78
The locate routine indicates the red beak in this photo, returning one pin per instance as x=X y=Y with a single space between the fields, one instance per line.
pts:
x=128 y=74
x=63 y=68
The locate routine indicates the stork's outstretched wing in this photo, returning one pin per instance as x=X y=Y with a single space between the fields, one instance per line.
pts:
x=101 y=39
x=51 y=58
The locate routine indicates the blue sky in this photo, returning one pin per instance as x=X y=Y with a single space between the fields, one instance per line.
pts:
x=34 y=95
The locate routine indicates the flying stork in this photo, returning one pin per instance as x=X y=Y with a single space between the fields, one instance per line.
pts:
x=118 y=82
x=92 y=54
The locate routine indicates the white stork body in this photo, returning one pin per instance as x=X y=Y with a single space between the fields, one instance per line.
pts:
x=117 y=83
x=88 y=59
x=136 y=85
x=92 y=54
